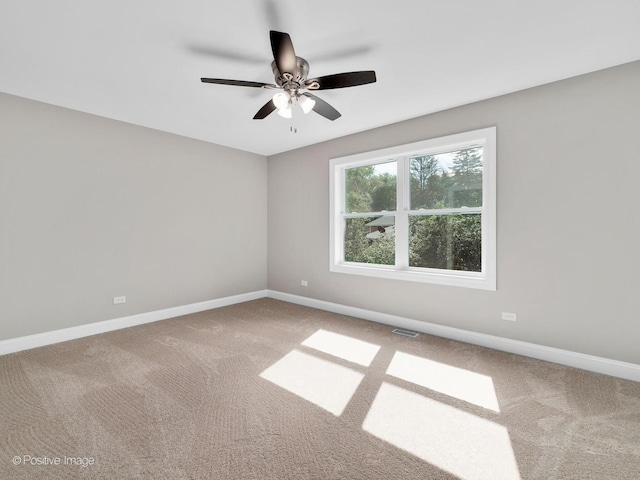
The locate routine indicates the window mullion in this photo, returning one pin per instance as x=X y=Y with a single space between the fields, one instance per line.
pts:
x=446 y=211
x=402 y=217
x=367 y=214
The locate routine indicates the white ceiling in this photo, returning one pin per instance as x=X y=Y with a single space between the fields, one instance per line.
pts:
x=141 y=61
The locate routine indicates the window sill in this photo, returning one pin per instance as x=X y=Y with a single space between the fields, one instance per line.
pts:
x=449 y=278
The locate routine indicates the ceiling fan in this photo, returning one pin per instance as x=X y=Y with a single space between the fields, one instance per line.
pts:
x=291 y=80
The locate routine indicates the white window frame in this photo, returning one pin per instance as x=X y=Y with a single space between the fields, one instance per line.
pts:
x=486 y=279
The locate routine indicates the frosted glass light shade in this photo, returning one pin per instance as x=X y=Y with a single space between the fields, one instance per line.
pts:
x=306 y=103
x=281 y=100
x=286 y=111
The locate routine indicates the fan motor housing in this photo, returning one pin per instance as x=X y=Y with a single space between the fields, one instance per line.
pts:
x=296 y=80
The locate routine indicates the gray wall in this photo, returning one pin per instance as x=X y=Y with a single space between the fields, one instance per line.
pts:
x=92 y=208
x=568 y=230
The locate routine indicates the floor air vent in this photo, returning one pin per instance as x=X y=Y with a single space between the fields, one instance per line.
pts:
x=405 y=333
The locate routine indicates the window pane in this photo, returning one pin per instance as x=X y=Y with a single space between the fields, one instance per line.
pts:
x=447 y=180
x=451 y=242
x=371 y=188
x=370 y=240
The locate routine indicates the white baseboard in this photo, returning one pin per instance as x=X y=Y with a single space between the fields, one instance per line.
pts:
x=615 y=368
x=41 y=339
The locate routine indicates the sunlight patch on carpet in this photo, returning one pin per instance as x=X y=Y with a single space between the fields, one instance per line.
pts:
x=463 y=444
x=342 y=346
x=455 y=382
x=326 y=384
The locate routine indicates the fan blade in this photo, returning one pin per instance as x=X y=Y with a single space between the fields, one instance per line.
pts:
x=283 y=53
x=342 y=80
x=266 y=109
x=323 y=108
x=238 y=83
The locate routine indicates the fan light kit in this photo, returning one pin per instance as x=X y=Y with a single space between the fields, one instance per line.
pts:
x=284 y=103
x=291 y=78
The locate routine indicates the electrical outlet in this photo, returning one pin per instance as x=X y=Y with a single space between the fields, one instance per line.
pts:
x=117 y=300
x=511 y=317
x=304 y=283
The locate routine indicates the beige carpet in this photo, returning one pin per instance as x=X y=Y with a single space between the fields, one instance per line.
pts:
x=271 y=390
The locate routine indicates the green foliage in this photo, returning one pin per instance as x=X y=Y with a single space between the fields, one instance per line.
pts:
x=368 y=192
x=468 y=162
x=355 y=239
x=358 y=248
x=383 y=193
x=428 y=182
x=358 y=189
x=422 y=169
x=451 y=242
x=381 y=251
x=467 y=178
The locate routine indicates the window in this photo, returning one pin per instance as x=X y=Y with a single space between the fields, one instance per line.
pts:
x=422 y=212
